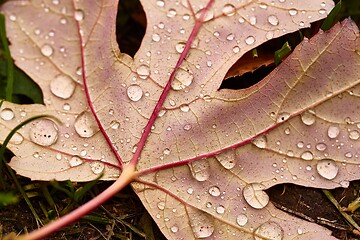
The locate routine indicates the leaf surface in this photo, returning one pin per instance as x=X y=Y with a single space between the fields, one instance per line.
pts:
x=210 y=153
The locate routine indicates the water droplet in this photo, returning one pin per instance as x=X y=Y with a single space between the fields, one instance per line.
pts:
x=166 y=151
x=214 y=191
x=97 y=167
x=200 y=170
x=114 y=124
x=134 y=92
x=187 y=127
x=269 y=35
x=348 y=155
x=220 y=209
x=7 y=114
x=327 y=168
x=190 y=190
x=228 y=10
x=354 y=135
x=156 y=37
x=269 y=230
x=227 y=159
x=282 y=117
x=321 y=146
x=47 y=50
x=307 y=155
x=62 y=86
x=308 y=118
x=333 y=131
x=322 y=11
x=174 y=229
x=17 y=139
x=255 y=195
x=250 y=40
x=236 y=49
x=171 y=13
x=263 y=5
x=293 y=12
x=273 y=20
x=160 y=3
x=161 y=205
x=185 y=108
x=43 y=132
x=230 y=37
x=201 y=224
x=12 y=17
x=180 y=47
x=79 y=15
x=241 y=219
x=260 y=141
x=208 y=15
x=85 y=125
x=182 y=79
x=143 y=71
x=252 y=20
x=75 y=161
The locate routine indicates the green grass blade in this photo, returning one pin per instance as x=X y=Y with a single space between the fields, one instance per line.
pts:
x=332 y=17
x=9 y=61
x=281 y=53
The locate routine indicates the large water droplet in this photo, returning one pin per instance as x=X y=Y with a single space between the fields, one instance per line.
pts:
x=43 y=132
x=185 y=108
x=75 y=161
x=47 y=50
x=202 y=225
x=214 y=191
x=79 y=15
x=143 y=71
x=17 y=139
x=227 y=159
x=85 y=125
x=7 y=114
x=171 y=13
x=260 y=141
x=200 y=169
x=333 y=131
x=269 y=230
x=182 y=79
x=293 y=12
x=220 y=209
x=241 y=219
x=134 y=92
x=273 y=20
x=208 y=15
x=255 y=195
x=160 y=3
x=62 y=86
x=180 y=46
x=250 y=40
x=228 y=10
x=308 y=118
x=327 y=168
x=97 y=167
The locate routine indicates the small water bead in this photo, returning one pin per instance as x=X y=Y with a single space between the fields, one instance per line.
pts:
x=171 y=13
x=227 y=159
x=214 y=191
x=321 y=147
x=185 y=108
x=269 y=35
x=255 y=195
x=327 y=168
x=75 y=161
x=97 y=167
x=17 y=139
x=160 y=3
x=179 y=47
x=308 y=118
x=7 y=114
x=260 y=141
x=114 y=124
x=143 y=71
x=241 y=219
x=79 y=15
x=187 y=127
x=250 y=40
x=293 y=12
x=62 y=86
x=307 y=156
x=348 y=155
x=228 y=10
x=47 y=50
x=220 y=209
x=269 y=230
x=273 y=20
x=156 y=37
x=12 y=17
x=174 y=229
x=134 y=92
x=354 y=135
x=333 y=132
x=85 y=125
x=282 y=117
x=241 y=20
x=230 y=37
x=236 y=49
x=161 y=205
x=200 y=170
x=190 y=190
x=43 y=132
x=322 y=11
x=166 y=151
x=252 y=20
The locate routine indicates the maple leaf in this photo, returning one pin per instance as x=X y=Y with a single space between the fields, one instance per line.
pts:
x=203 y=156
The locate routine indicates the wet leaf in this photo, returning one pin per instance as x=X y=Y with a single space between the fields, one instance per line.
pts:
x=210 y=153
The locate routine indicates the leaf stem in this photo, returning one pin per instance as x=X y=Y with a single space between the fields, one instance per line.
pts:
x=127 y=175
